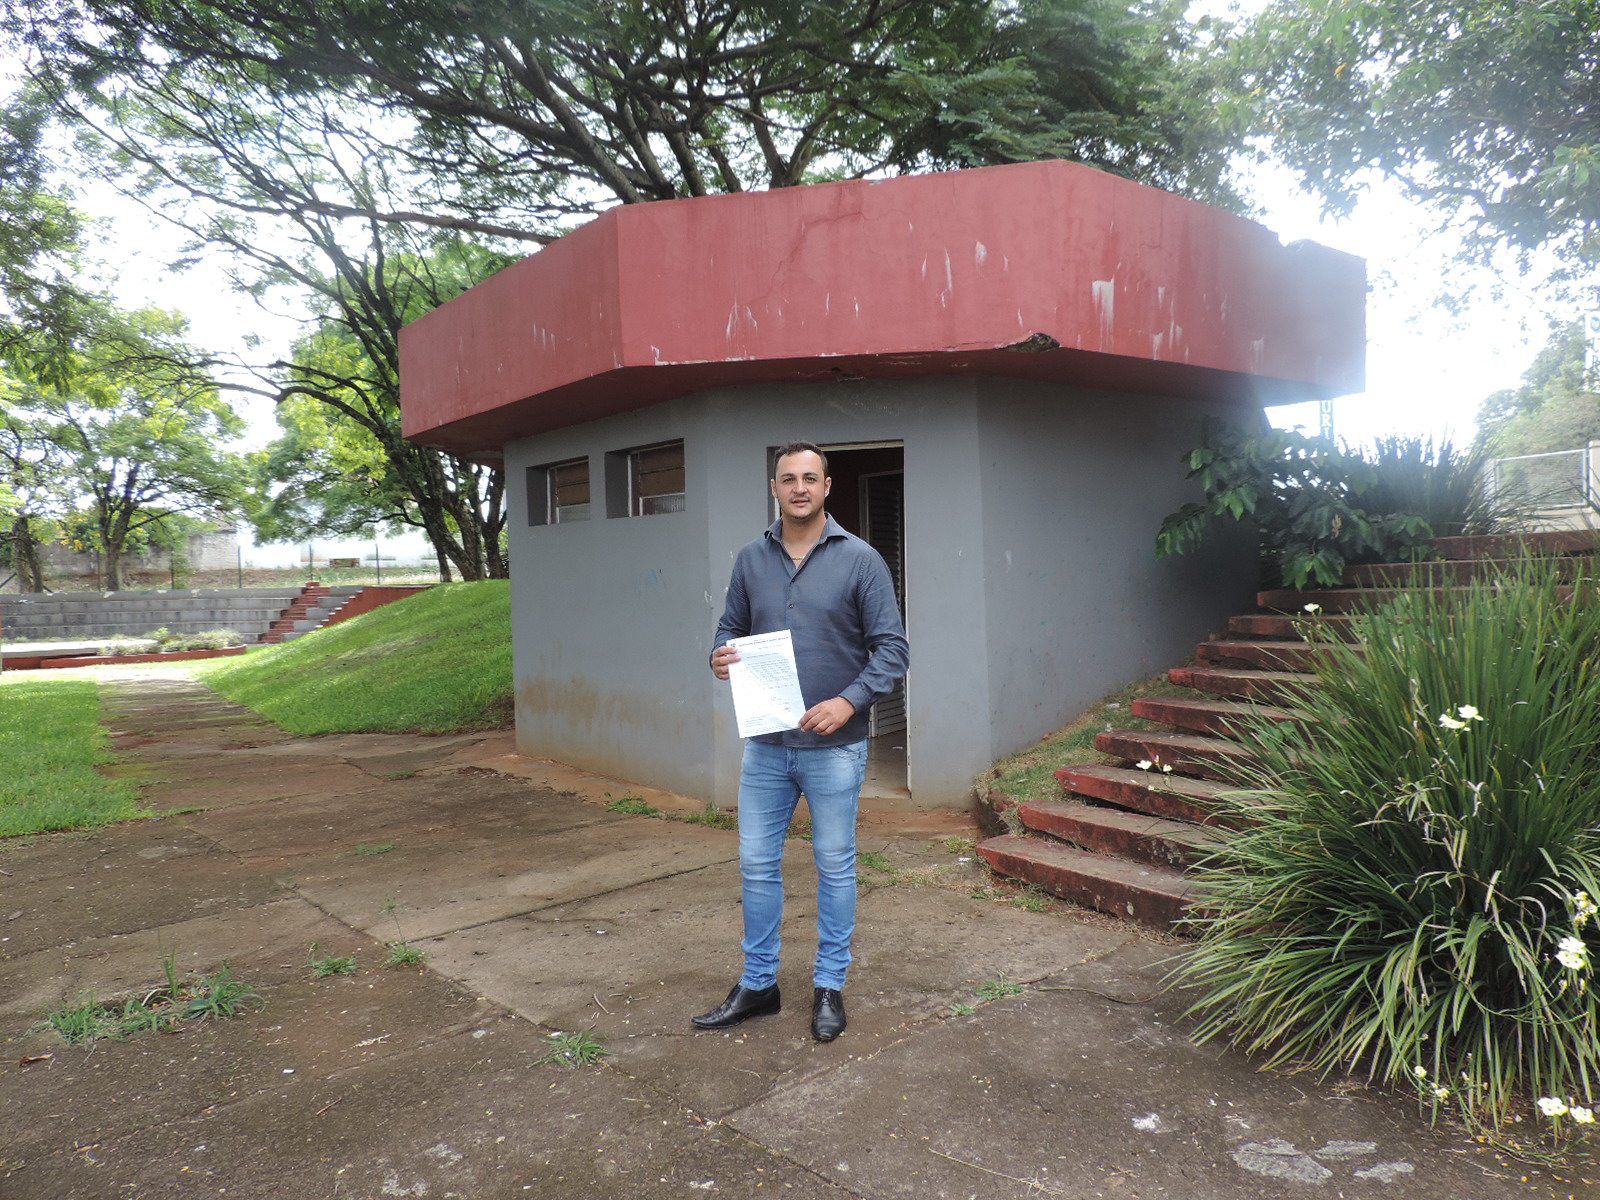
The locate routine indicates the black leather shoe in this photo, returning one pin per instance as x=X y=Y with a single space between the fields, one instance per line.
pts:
x=742 y=1004
x=827 y=1014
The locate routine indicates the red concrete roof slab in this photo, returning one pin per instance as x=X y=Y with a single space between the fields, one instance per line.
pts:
x=1045 y=270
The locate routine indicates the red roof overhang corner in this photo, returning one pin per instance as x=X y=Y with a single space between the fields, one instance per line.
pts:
x=1038 y=270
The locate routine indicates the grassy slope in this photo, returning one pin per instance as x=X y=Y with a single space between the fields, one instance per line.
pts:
x=436 y=662
x=50 y=740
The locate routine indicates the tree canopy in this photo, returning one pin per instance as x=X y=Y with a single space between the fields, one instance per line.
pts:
x=1556 y=408
x=43 y=300
x=131 y=436
x=1488 y=110
x=340 y=464
x=512 y=116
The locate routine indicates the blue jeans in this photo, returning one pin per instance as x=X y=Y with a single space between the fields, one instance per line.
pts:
x=770 y=784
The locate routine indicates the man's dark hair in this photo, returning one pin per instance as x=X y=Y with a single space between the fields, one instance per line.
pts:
x=789 y=448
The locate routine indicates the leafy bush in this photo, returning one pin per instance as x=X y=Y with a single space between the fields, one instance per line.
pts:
x=167 y=641
x=1320 y=506
x=1416 y=890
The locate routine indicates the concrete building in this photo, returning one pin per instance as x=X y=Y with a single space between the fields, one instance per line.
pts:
x=1006 y=366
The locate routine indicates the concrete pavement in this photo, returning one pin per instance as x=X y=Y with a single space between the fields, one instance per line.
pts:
x=541 y=912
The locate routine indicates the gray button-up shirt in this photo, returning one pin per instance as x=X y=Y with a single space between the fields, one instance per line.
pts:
x=838 y=606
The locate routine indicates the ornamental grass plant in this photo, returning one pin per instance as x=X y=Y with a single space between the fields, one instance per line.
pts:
x=1413 y=900
x=1447 y=487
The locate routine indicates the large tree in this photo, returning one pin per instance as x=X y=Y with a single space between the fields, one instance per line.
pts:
x=512 y=115
x=340 y=464
x=1488 y=110
x=1556 y=408
x=135 y=433
x=320 y=144
x=44 y=299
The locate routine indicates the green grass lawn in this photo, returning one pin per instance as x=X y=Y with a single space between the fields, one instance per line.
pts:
x=50 y=741
x=436 y=662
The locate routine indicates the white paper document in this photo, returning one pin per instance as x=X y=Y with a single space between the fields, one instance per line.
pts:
x=766 y=685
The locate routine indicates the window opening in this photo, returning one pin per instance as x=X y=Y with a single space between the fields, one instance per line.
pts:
x=656 y=480
x=559 y=492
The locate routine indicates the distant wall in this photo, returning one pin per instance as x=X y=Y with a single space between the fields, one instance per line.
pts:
x=207 y=550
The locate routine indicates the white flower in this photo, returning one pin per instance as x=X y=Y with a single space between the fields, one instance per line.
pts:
x=1552 y=1106
x=1467 y=713
x=1420 y=1071
x=1144 y=764
x=1446 y=721
x=1439 y=1093
x=1582 y=909
x=1166 y=768
x=1583 y=1116
x=1313 y=609
x=1572 y=953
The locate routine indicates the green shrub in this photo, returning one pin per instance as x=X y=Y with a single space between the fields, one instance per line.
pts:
x=1319 y=506
x=1416 y=890
x=169 y=642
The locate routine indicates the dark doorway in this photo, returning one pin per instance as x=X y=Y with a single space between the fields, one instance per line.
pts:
x=867 y=498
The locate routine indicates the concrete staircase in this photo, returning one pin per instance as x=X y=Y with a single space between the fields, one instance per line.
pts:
x=312 y=608
x=1120 y=838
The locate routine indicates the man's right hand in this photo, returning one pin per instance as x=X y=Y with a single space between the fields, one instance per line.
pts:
x=720 y=658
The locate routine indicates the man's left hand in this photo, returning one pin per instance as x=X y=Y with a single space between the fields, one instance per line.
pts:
x=828 y=717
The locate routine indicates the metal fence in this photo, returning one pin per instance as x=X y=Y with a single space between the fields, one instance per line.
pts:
x=1561 y=488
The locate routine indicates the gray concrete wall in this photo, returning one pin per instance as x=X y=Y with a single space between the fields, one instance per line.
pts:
x=1030 y=592
x=609 y=614
x=206 y=550
x=613 y=618
x=1075 y=486
x=248 y=611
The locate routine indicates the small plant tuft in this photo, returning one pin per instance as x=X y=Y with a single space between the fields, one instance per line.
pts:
x=404 y=954
x=876 y=859
x=1034 y=899
x=85 y=1021
x=324 y=965
x=574 y=1050
x=219 y=995
x=367 y=851
x=712 y=817
x=635 y=806
x=997 y=988
x=160 y=1009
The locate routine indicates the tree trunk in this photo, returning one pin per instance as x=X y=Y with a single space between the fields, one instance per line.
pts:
x=111 y=569
x=25 y=556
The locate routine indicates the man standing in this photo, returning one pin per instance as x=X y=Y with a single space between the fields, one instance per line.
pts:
x=833 y=593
